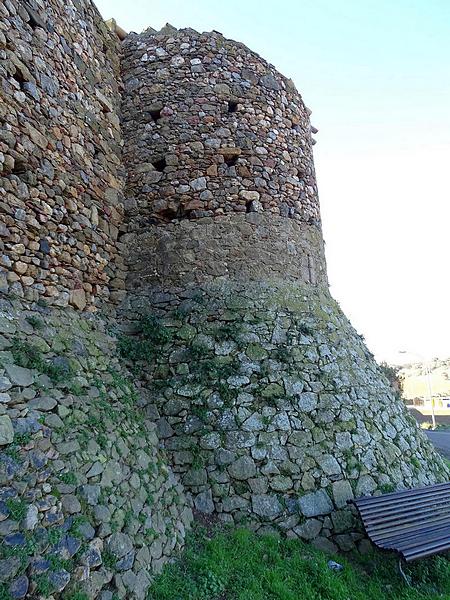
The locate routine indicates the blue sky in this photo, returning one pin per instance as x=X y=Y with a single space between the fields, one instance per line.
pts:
x=376 y=75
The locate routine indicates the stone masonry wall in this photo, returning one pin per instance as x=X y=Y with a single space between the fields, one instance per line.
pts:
x=250 y=246
x=88 y=504
x=211 y=128
x=272 y=410
x=61 y=202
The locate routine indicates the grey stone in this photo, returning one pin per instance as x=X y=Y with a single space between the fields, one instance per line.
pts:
x=119 y=544
x=309 y=530
x=280 y=483
x=112 y=473
x=20 y=375
x=266 y=506
x=329 y=464
x=102 y=513
x=210 y=441
x=92 y=557
x=70 y=504
x=342 y=492
x=307 y=401
x=90 y=493
x=141 y=584
x=5 y=384
x=204 y=503
x=31 y=518
x=198 y=184
x=253 y=423
x=59 y=579
x=224 y=457
x=315 y=503
x=195 y=477
x=126 y=562
x=44 y=403
x=6 y=430
x=326 y=545
x=243 y=468
x=342 y=521
x=19 y=587
x=9 y=568
x=68 y=447
x=96 y=469
x=269 y=82
x=365 y=486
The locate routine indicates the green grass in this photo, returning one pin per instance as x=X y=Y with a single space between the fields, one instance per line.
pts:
x=238 y=565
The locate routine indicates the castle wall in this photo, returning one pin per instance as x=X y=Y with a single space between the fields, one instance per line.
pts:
x=220 y=173
x=61 y=204
x=234 y=357
x=272 y=410
x=212 y=129
x=89 y=505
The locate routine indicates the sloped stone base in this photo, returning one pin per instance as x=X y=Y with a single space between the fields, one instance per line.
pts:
x=272 y=410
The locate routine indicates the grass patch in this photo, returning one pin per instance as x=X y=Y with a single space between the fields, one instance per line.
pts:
x=238 y=565
x=17 y=509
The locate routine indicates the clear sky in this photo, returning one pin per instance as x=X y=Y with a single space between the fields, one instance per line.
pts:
x=376 y=74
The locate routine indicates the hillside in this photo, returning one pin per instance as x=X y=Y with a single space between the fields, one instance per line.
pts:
x=415 y=383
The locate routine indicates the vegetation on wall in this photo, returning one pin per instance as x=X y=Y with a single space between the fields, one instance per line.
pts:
x=391 y=373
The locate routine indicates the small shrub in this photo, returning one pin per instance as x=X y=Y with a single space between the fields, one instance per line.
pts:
x=109 y=560
x=30 y=357
x=4 y=592
x=77 y=595
x=54 y=535
x=415 y=462
x=43 y=585
x=68 y=478
x=387 y=488
x=35 y=322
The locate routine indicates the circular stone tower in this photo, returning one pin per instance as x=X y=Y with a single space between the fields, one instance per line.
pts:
x=269 y=404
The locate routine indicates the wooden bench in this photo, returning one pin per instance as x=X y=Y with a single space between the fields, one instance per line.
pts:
x=415 y=523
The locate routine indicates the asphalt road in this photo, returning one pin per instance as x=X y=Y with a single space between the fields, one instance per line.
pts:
x=441 y=439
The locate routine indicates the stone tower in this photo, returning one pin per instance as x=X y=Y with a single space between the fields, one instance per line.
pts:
x=270 y=406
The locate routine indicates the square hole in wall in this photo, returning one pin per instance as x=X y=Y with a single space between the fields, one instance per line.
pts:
x=155 y=114
x=19 y=77
x=160 y=164
x=231 y=160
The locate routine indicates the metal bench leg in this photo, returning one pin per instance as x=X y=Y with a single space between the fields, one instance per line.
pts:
x=403 y=574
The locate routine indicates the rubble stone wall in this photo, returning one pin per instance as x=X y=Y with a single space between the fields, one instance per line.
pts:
x=89 y=506
x=211 y=129
x=203 y=236
x=61 y=202
x=271 y=408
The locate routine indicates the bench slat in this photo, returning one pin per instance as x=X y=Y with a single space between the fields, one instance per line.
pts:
x=417 y=503
x=404 y=532
x=374 y=521
x=416 y=537
x=431 y=539
x=398 y=497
